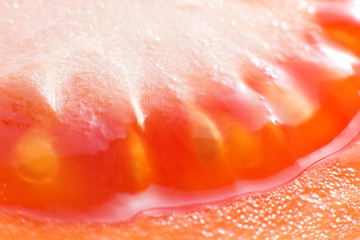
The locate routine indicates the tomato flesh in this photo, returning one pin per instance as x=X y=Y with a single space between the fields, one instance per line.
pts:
x=220 y=130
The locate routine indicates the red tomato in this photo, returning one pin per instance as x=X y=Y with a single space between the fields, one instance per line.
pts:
x=106 y=104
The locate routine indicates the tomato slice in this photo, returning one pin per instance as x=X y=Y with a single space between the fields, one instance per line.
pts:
x=91 y=121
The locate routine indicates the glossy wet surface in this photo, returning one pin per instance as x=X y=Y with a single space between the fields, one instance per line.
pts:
x=193 y=112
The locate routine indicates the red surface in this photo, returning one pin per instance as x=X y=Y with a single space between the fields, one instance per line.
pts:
x=176 y=145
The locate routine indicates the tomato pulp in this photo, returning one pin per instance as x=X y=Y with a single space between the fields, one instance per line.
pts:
x=87 y=140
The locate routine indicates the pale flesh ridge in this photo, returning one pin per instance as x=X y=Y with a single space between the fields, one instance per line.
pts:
x=142 y=50
x=99 y=52
x=146 y=47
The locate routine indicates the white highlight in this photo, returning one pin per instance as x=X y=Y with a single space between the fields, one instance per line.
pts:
x=343 y=60
x=50 y=87
x=138 y=110
x=135 y=102
x=355 y=10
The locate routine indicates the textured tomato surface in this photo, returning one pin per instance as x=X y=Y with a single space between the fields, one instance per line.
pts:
x=97 y=103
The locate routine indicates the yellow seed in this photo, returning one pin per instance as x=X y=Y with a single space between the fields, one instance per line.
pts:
x=139 y=164
x=35 y=159
x=207 y=139
x=345 y=38
x=214 y=167
x=242 y=147
x=290 y=105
